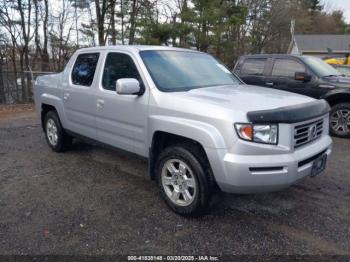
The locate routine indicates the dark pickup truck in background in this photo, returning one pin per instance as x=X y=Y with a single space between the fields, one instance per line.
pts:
x=305 y=75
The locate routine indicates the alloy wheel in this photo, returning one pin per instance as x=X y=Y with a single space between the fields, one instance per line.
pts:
x=51 y=132
x=340 y=121
x=178 y=182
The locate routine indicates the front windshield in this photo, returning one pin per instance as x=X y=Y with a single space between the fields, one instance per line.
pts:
x=344 y=70
x=182 y=71
x=320 y=67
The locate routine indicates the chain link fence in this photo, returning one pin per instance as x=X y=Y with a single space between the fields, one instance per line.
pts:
x=17 y=87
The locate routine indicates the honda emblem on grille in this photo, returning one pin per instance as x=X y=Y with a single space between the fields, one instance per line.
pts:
x=312 y=132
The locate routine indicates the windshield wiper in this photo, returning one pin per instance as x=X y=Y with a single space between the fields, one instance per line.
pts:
x=332 y=75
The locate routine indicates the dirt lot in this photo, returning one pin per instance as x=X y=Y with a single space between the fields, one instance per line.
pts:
x=91 y=200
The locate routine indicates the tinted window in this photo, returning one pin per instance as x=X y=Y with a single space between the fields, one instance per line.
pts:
x=118 y=66
x=185 y=70
x=287 y=68
x=253 y=66
x=84 y=69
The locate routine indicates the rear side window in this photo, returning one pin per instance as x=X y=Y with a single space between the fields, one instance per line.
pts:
x=253 y=66
x=118 y=66
x=287 y=68
x=84 y=69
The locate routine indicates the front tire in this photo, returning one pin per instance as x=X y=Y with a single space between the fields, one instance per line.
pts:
x=183 y=180
x=339 y=122
x=56 y=138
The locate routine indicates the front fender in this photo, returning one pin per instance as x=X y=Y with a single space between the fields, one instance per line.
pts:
x=205 y=134
x=338 y=92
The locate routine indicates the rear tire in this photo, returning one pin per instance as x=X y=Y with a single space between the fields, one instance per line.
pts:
x=56 y=138
x=339 y=122
x=183 y=180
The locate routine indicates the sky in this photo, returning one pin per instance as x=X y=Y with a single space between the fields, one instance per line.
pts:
x=343 y=5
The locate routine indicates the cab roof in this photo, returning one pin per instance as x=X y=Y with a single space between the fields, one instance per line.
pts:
x=133 y=48
x=276 y=56
x=271 y=56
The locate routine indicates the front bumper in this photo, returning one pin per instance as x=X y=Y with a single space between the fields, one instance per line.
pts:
x=246 y=174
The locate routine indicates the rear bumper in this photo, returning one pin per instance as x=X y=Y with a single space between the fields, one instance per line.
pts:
x=265 y=173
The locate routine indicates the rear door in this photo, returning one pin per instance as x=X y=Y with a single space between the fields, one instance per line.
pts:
x=79 y=95
x=121 y=119
x=251 y=71
x=283 y=76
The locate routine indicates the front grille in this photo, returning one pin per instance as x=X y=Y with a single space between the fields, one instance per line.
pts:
x=307 y=133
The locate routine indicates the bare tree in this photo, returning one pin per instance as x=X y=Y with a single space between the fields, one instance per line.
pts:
x=122 y=22
x=2 y=61
x=7 y=23
x=36 y=31
x=112 y=22
x=25 y=11
x=101 y=11
x=62 y=25
x=133 y=15
x=45 y=54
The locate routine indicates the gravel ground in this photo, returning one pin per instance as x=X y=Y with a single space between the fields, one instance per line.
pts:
x=95 y=201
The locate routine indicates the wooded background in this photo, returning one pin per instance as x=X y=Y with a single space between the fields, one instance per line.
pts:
x=41 y=35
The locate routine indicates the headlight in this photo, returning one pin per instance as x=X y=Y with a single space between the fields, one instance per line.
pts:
x=266 y=134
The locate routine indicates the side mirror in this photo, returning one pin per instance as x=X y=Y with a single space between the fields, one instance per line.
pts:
x=302 y=76
x=128 y=86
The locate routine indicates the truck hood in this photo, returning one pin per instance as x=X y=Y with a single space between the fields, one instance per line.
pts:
x=338 y=80
x=244 y=98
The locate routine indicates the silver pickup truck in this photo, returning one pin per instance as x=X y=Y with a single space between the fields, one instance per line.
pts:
x=200 y=127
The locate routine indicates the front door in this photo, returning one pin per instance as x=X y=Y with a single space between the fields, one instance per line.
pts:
x=283 y=77
x=121 y=119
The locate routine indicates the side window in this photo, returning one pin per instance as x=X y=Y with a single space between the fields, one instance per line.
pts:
x=253 y=66
x=84 y=69
x=118 y=66
x=287 y=68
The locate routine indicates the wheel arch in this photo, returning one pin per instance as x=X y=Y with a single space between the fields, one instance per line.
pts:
x=338 y=98
x=45 y=108
x=205 y=134
x=52 y=102
x=165 y=131
x=162 y=140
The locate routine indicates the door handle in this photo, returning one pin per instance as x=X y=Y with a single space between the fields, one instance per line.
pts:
x=269 y=83
x=65 y=96
x=100 y=103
